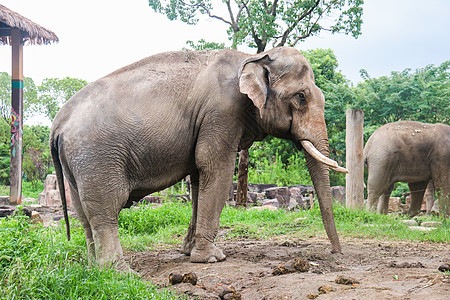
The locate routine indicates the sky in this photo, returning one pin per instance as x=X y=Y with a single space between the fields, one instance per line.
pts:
x=97 y=37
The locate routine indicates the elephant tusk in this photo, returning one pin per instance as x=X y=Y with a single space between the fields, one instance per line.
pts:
x=309 y=147
x=339 y=169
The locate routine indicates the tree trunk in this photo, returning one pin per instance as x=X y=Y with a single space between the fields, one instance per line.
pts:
x=242 y=185
x=354 y=180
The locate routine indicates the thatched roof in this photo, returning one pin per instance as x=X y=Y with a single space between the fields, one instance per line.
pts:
x=32 y=32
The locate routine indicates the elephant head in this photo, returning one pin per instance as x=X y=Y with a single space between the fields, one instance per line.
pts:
x=281 y=85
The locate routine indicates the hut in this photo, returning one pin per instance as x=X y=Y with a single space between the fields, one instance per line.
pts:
x=17 y=31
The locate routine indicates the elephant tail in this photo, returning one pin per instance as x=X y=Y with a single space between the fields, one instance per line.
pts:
x=54 y=148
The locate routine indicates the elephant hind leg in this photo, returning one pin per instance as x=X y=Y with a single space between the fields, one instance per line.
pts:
x=417 y=190
x=383 y=201
x=102 y=212
x=189 y=241
x=85 y=223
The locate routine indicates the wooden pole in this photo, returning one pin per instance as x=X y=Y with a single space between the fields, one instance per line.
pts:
x=242 y=185
x=354 y=142
x=16 y=117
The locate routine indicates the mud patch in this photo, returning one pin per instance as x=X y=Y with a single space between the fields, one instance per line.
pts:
x=247 y=271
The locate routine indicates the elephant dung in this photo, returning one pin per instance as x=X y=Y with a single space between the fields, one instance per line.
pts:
x=176 y=278
x=298 y=264
x=341 y=279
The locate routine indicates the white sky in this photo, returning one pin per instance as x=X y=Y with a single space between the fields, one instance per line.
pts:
x=100 y=36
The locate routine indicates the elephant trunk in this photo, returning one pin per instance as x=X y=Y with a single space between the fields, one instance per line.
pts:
x=319 y=173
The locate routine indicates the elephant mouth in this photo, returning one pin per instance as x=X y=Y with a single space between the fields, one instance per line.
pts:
x=333 y=165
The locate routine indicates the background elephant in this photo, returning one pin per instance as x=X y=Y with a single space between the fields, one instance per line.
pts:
x=411 y=152
x=148 y=125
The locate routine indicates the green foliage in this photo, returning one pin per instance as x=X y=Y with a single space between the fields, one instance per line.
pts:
x=37 y=161
x=29 y=96
x=204 y=45
x=421 y=95
x=257 y=23
x=39 y=263
x=53 y=92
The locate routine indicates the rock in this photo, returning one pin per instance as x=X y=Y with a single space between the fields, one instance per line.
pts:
x=341 y=279
x=305 y=189
x=269 y=207
x=272 y=202
x=36 y=218
x=28 y=201
x=4 y=200
x=431 y=224
x=293 y=205
x=260 y=187
x=6 y=210
x=151 y=199
x=338 y=193
x=394 y=204
x=51 y=196
x=296 y=196
x=421 y=228
x=410 y=222
x=10 y=210
x=281 y=194
x=252 y=197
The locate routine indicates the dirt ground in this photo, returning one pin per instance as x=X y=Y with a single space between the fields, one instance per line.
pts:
x=375 y=270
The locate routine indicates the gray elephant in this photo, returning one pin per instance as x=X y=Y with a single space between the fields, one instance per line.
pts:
x=411 y=152
x=148 y=125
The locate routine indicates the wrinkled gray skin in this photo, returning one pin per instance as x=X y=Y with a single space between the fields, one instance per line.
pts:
x=411 y=152
x=148 y=125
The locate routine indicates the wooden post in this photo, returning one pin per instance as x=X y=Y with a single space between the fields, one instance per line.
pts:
x=354 y=143
x=242 y=185
x=16 y=117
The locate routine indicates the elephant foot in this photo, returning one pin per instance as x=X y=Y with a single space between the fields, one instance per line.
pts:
x=206 y=253
x=122 y=266
x=187 y=247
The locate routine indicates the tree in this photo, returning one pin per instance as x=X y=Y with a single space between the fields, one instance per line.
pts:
x=204 y=45
x=53 y=92
x=260 y=22
x=29 y=96
x=422 y=95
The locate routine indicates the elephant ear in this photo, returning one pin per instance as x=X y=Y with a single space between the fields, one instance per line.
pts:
x=253 y=80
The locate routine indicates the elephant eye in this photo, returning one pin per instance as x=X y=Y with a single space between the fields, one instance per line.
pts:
x=301 y=98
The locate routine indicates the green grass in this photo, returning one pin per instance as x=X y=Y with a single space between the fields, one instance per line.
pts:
x=148 y=227
x=28 y=190
x=38 y=263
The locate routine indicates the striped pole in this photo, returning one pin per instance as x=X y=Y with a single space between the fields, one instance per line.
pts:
x=16 y=117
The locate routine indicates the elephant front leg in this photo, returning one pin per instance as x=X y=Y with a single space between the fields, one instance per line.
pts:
x=213 y=190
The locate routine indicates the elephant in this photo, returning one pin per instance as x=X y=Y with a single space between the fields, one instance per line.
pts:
x=146 y=126
x=411 y=152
